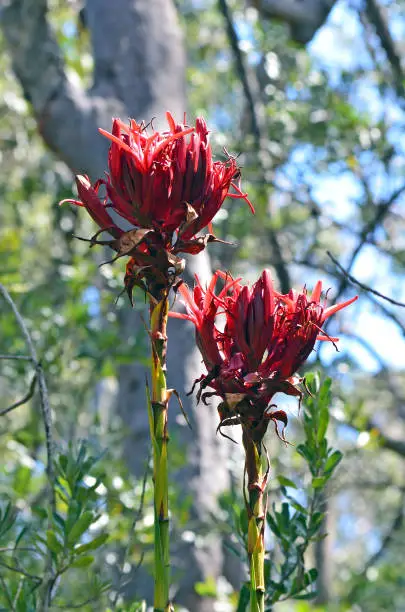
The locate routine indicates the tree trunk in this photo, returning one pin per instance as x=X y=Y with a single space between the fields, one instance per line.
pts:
x=139 y=71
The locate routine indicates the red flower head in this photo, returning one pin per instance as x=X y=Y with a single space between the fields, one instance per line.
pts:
x=167 y=187
x=266 y=337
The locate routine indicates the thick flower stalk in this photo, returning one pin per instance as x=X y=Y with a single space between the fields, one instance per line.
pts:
x=160 y=192
x=264 y=338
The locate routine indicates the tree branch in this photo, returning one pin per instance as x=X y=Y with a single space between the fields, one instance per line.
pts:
x=381 y=211
x=354 y=281
x=23 y=400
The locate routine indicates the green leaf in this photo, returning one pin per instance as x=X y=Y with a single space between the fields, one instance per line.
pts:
x=53 y=543
x=315 y=523
x=58 y=520
x=267 y=571
x=92 y=545
x=296 y=505
x=301 y=526
x=207 y=588
x=39 y=511
x=63 y=463
x=236 y=550
x=312 y=381
x=83 y=561
x=273 y=525
x=323 y=423
x=312 y=575
x=7 y=519
x=306 y=452
x=81 y=525
x=325 y=390
x=244 y=598
x=243 y=521
x=319 y=482
x=333 y=461
x=285 y=516
x=23 y=531
x=72 y=515
x=286 y=482
x=305 y=595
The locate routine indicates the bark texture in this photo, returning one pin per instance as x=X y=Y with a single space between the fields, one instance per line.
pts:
x=139 y=71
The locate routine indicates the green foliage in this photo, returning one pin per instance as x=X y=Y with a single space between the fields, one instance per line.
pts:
x=56 y=540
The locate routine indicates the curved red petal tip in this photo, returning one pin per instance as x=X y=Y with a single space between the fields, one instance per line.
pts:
x=210 y=293
x=116 y=140
x=316 y=293
x=201 y=127
x=71 y=201
x=171 y=121
x=197 y=282
x=179 y=315
x=240 y=195
x=116 y=126
x=82 y=180
x=332 y=309
x=226 y=276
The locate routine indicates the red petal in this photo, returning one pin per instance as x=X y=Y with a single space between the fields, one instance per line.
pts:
x=332 y=309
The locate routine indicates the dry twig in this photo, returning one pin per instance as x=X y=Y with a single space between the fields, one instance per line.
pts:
x=46 y=584
x=24 y=399
x=354 y=281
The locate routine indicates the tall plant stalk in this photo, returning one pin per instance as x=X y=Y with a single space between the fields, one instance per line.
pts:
x=256 y=482
x=158 y=408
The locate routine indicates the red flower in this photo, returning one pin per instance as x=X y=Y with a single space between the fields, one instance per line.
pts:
x=166 y=183
x=266 y=337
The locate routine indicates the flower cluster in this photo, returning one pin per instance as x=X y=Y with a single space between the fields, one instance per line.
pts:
x=266 y=336
x=168 y=188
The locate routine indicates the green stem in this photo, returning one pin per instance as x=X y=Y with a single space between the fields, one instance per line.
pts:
x=256 y=482
x=159 y=434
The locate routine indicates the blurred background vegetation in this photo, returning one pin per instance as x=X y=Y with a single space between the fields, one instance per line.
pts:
x=315 y=110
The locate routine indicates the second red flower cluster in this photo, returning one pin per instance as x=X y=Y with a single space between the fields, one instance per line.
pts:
x=252 y=341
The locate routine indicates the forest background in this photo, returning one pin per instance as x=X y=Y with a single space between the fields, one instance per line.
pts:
x=312 y=101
